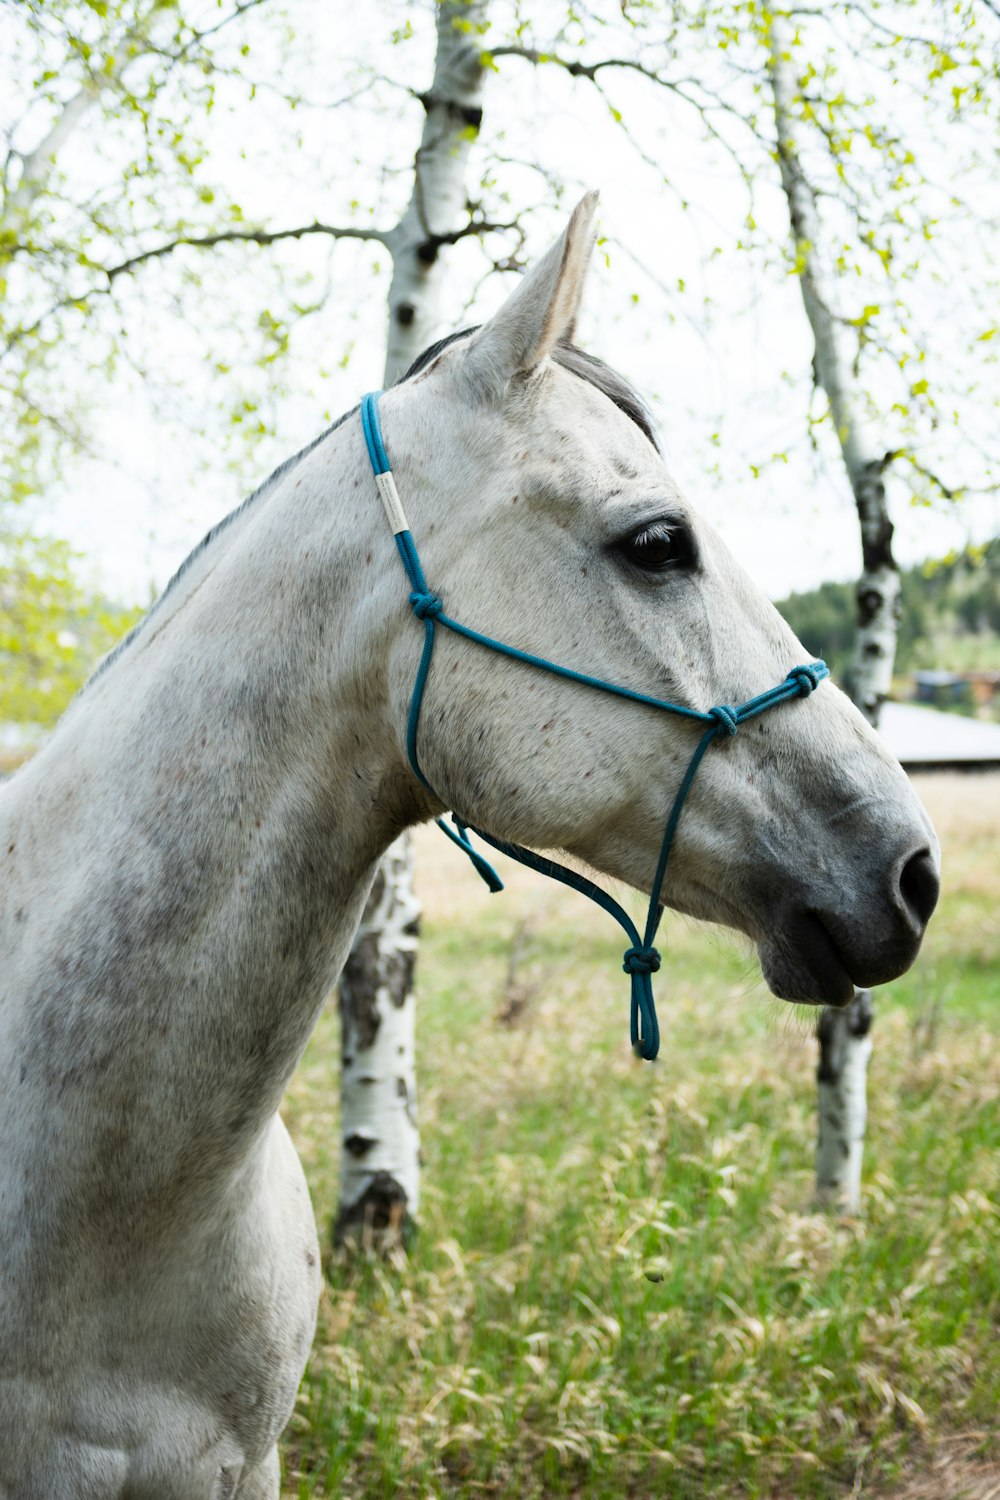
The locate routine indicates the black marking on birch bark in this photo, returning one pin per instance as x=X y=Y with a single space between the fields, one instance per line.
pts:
x=468 y=115
x=409 y=1103
x=861 y=1013
x=359 y=1145
x=359 y=991
x=381 y=1207
x=870 y=602
x=405 y=314
x=399 y=975
x=427 y=253
x=831 y=1060
x=876 y=527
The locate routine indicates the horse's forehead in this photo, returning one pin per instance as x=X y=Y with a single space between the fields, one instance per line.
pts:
x=586 y=432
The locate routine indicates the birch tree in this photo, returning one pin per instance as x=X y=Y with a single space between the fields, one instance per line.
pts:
x=869 y=450
x=380 y=1139
x=844 y=1036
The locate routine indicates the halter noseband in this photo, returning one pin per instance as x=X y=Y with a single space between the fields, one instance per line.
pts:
x=641 y=959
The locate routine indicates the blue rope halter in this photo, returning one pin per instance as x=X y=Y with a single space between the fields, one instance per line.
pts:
x=641 y=959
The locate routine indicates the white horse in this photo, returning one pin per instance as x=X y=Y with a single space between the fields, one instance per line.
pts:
x=185 y=862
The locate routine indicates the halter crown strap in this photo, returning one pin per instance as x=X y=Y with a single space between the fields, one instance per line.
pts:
x=641 y=959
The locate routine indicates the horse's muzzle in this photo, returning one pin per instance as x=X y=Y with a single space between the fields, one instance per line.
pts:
x=818 y=954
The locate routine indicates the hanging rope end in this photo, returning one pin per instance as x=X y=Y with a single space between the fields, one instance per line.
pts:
x=482 y=866
x=640 y=963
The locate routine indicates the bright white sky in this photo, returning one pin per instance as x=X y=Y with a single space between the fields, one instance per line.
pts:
x=729 y=383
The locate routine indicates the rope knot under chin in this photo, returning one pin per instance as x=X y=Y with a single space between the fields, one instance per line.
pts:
x=426 y=606
x=641 y=961
x=806 y=679
x=725 y=717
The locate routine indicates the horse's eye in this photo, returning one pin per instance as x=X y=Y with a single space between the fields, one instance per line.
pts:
x=660 y=545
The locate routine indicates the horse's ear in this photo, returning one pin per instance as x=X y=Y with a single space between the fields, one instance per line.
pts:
x=539 y=313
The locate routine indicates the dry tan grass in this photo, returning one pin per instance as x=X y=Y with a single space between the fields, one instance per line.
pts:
x=964 y=806
x=949 y=1474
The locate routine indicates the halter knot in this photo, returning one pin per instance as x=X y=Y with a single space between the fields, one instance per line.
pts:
x=426 y=606
x=641 y=961
x=807 y=679
x=725 y=717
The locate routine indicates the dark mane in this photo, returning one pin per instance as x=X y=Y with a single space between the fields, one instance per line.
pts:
x=587 y=366
x=577 y=361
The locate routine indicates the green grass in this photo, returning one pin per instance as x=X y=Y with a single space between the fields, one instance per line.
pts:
x=620 y=1287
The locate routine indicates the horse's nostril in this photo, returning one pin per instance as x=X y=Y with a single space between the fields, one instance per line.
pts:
x=919 y=885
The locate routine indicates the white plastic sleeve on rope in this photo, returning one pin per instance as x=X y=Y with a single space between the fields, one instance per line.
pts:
x=391 y=503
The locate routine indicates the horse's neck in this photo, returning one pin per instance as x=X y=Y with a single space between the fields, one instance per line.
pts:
x=190 y=854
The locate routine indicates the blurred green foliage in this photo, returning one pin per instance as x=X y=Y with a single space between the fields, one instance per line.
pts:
x=53 y=629
x=950 y=616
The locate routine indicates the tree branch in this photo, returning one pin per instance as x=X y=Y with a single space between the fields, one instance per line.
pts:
x=238 y=236
x=241 y=7
x=199 y=242
x=934 y=479
x=578 y=69
x=678 y=87
x=475 y=227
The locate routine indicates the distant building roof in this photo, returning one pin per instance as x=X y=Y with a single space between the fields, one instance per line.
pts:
x=938 y=679
x=920 y=736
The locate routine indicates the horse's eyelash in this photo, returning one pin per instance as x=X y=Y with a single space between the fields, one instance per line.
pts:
x=655 y=531
x=668 y=534
x=662 y=530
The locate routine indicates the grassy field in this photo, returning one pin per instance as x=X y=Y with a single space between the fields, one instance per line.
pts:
x=620 y=1287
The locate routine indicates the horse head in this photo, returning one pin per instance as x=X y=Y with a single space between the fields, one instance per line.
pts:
x=548 y=519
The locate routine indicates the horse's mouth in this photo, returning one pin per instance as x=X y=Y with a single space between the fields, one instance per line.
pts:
x=819 y=955
x=804 y=964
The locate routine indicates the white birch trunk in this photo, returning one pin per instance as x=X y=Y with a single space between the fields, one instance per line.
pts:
x=453 y=113
x=380 y=1155
x=845 y=1046
x=844 y=1036
x=380 y=1143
